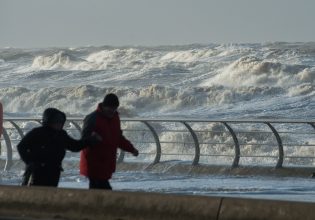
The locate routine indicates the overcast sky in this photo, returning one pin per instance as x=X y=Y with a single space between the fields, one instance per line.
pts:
x=45 y=23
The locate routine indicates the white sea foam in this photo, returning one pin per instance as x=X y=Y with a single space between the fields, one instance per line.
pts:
x=60 y=60
x=307 y=75
x=253 y=71
x=205 y=80
x=153 y=99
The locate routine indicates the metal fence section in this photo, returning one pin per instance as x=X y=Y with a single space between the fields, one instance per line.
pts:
x=260 y=142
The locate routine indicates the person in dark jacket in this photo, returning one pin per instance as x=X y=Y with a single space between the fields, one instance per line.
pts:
x=98 y=163
x=43 y=149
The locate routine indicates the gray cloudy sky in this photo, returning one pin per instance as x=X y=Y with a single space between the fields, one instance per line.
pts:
x=44 y=23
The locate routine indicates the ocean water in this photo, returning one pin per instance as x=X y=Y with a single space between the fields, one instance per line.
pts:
x=274 y=80
x=229 y=81
x=255 y=186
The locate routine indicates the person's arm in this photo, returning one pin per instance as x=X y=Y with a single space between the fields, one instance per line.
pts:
x=73 y=144
x=125 y=144
x=77 y=145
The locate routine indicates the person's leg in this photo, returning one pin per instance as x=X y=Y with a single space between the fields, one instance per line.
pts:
x=107 y=185
x=27 y=176
x=99 y=184
x=45 y=177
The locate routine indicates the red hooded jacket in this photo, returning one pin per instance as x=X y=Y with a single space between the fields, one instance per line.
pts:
x=99 y=161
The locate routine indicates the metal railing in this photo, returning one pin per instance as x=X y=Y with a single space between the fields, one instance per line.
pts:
x=230 y=142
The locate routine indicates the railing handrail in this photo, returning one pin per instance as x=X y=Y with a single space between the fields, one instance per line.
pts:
x=186 y=127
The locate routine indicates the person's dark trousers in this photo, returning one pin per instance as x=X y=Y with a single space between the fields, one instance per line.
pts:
x=42 y=177
x=27 y=177
x=99 y=184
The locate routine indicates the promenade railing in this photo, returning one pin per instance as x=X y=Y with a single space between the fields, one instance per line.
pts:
x=254 y=142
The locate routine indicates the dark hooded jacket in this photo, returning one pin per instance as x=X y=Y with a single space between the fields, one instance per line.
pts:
x=43 y=148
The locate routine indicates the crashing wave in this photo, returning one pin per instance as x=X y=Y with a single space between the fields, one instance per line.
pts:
x=60 y=60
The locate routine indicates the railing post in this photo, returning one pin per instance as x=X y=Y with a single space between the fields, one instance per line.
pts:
x=17 y=128
x=236 y=145
x=121 y=156
x=280 y=146
x=195 y=138
x=157 y=141
x=7 y=140
x=311 y=124
x=9 y=160
x=76 y=126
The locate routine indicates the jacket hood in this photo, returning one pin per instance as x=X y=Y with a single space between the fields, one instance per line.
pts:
x=53 y=115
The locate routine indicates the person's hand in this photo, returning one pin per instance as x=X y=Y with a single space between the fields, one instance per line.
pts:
x=93 y=139
x=135 y=153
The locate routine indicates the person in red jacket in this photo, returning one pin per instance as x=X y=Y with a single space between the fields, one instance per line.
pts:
x=98 y=163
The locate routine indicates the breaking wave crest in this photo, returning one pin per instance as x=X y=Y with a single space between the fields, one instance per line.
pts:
x=79 y=100
x=60 y=60
x=254 y=71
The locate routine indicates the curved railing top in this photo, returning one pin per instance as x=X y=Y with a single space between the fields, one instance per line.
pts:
x=221 y=120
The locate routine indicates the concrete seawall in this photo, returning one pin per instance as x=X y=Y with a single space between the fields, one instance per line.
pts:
x=57 y=203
